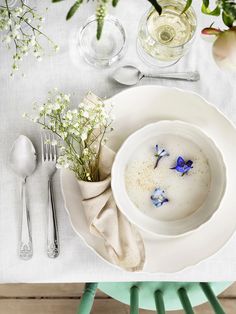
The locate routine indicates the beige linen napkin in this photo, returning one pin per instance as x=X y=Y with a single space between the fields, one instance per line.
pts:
x=123 y=242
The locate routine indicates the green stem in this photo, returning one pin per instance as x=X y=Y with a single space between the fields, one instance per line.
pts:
x=8 y=10
x=37 y=30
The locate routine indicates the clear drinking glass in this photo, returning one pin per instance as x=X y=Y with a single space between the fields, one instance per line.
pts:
x=109 y=48
x=164 y=39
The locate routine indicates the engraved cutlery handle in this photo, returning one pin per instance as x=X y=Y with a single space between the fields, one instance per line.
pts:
x=52 y=237
x=26 y=248
x=186 y=76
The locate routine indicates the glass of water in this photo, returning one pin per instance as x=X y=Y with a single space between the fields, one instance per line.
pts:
x=109 y=48
x=164 y=39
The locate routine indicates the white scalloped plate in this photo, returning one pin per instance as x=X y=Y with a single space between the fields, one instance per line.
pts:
x=133 y=109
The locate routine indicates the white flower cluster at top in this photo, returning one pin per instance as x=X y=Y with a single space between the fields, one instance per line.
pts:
x=20 y=28
x=80 y=131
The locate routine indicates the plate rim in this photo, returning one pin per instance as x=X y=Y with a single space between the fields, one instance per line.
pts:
x=214 y=108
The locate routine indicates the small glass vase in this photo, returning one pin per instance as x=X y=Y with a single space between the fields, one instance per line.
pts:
x=164 y=39
x=109 y=48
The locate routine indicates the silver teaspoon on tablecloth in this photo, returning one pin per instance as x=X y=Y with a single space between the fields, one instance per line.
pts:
x=23 y=163
x=130 y=75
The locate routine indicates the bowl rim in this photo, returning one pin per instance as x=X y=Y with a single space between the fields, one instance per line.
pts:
x=119 y=203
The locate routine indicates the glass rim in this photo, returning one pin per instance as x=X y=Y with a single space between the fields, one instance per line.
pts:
x=110 y=18
x=144 y=17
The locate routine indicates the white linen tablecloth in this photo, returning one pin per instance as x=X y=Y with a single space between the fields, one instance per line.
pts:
x=66 y=71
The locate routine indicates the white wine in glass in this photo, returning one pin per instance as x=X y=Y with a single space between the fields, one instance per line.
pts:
x=164 y=39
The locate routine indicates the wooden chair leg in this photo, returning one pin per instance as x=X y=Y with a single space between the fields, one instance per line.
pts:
x=206 y=288
x=160 y=306
x=87 y=299
x=134 y=300
x=185 y=301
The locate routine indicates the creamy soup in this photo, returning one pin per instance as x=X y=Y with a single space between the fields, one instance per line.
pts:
x=185 y=193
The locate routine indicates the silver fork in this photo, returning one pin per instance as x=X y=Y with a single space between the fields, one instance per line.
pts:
x=49 y=159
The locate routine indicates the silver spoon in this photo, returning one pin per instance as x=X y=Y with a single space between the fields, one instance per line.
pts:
x=130 y=75
x=23 y=163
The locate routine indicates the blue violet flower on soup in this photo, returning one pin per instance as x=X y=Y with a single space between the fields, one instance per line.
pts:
x=159 y=153
x=158 y=197
x=183 y=166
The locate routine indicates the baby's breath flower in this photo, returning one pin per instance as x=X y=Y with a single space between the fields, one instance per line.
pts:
x=54 y=142
x=63 y=135
x=85 y=114
x=56 y=106
x=84 y=136
x=20 y=26
x=69 y=115
x=62 y=162
x=67 y=97
x=80 y=131
x=86 y=151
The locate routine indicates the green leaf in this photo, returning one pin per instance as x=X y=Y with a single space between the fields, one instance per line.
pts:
x=187 y=6
x=156 y=6
x=73 y=9
x=229 y=8
x=114 y=2
x=228 y=20
x=206 y=10
x=206 y=3
x=54 y=1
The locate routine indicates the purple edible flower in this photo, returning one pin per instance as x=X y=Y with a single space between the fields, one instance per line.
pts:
x=182 y=166
x=159 y=153
x=158 y=197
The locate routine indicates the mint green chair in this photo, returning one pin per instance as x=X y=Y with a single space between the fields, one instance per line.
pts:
x=157 y=296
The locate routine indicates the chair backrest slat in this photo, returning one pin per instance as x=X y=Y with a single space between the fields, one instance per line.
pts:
x=185 y=301
x=163 y=293
x=206 y=288
x=134 y=300
x=160 y=306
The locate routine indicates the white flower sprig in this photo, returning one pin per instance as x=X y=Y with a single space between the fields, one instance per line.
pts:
x=81 y=131
x=20 y=27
